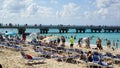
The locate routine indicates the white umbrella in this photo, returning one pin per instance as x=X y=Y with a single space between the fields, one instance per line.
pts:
x=85 y=38
x=33 y=35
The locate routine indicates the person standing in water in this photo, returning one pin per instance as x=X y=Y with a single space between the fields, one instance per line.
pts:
x=58 y=41
x=98 y=43
x=117 y=44
x=24 y=37
x=71 y=42
x=80 y=42
x=63 y=41
x=87 y=41
x=108 y=43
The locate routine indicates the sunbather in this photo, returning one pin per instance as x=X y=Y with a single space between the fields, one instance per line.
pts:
x=90 y=55
x=102 y=62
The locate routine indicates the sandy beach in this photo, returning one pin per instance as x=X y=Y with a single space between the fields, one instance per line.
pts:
x=10 y=58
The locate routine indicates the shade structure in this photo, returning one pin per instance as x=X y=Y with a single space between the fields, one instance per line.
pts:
x=11 y=33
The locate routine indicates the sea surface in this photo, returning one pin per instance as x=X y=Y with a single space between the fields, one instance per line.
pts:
x=110 y=36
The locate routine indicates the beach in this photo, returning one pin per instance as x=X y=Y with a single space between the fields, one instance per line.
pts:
x=10 y=58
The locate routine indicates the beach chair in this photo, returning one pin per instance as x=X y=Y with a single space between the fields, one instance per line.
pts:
x=31 y=58
x=94 y=63
x=69 y=51
x=17 y=48
x=60 y=49
x=79 y=51
x=95 y=53
x=45 y=53
x=117 y=59
x=108 y=56
x=104 y=65
x=95 y=58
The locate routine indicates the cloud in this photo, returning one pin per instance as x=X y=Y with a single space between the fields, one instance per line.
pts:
x=54 y=1
x=23 y=8
x=69 y=10
x=108 y=8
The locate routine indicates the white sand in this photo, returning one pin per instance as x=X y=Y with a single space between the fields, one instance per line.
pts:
x=13 y=59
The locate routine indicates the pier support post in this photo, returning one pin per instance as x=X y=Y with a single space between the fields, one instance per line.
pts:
x=99 y=31
x=59 y=30
x=113 y=30
x=105 y=30
x=83 y=31
x=76 y=30
x=44 y=31
x=109 y=31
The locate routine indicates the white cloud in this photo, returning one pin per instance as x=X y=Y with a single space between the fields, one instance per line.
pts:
x=108 y=8
x=23 y=8
x=54 y=1
x=44 y=11
x=87 y=14
x=68 y=10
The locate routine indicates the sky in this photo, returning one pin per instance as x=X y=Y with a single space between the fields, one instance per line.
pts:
x=66 y=12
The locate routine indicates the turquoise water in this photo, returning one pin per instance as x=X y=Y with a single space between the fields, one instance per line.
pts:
x=103 y=36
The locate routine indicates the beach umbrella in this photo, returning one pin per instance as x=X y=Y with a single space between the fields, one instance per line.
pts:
x=85 y=38
x=33 y=35
x=11 y=33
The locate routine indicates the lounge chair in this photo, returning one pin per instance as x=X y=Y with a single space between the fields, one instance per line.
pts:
x=105 y=65
x=79 y=51
x=70 y=51
x=60 y=49
x=95 y=58
x=95 y=53
x=31 y=58
x=45 y=53
x=108 y=55
x=117 y=59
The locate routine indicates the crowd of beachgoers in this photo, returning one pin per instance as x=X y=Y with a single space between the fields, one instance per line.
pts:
x=54 y=51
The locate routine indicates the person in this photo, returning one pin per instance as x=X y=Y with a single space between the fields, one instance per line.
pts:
x=71 y=42
x=108 y=43
x=90 y=55
x=113 y=45
x=117 y=44
x=98 y=43
x=80 y=42
x=63 y=41
x=83 y=56
x=75 y=37
x=87 y=43
x=58 y=41
x=24 y=37
x=103 y=63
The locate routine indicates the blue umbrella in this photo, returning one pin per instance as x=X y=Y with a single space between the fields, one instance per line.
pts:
x=10 y=33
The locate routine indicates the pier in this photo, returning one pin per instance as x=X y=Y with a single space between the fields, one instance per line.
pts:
x=65 y=28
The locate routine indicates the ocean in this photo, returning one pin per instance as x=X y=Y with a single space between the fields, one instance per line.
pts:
x=102 y=35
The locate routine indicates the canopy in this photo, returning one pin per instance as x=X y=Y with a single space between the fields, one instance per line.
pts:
x=11 y=33
x=33 y=34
